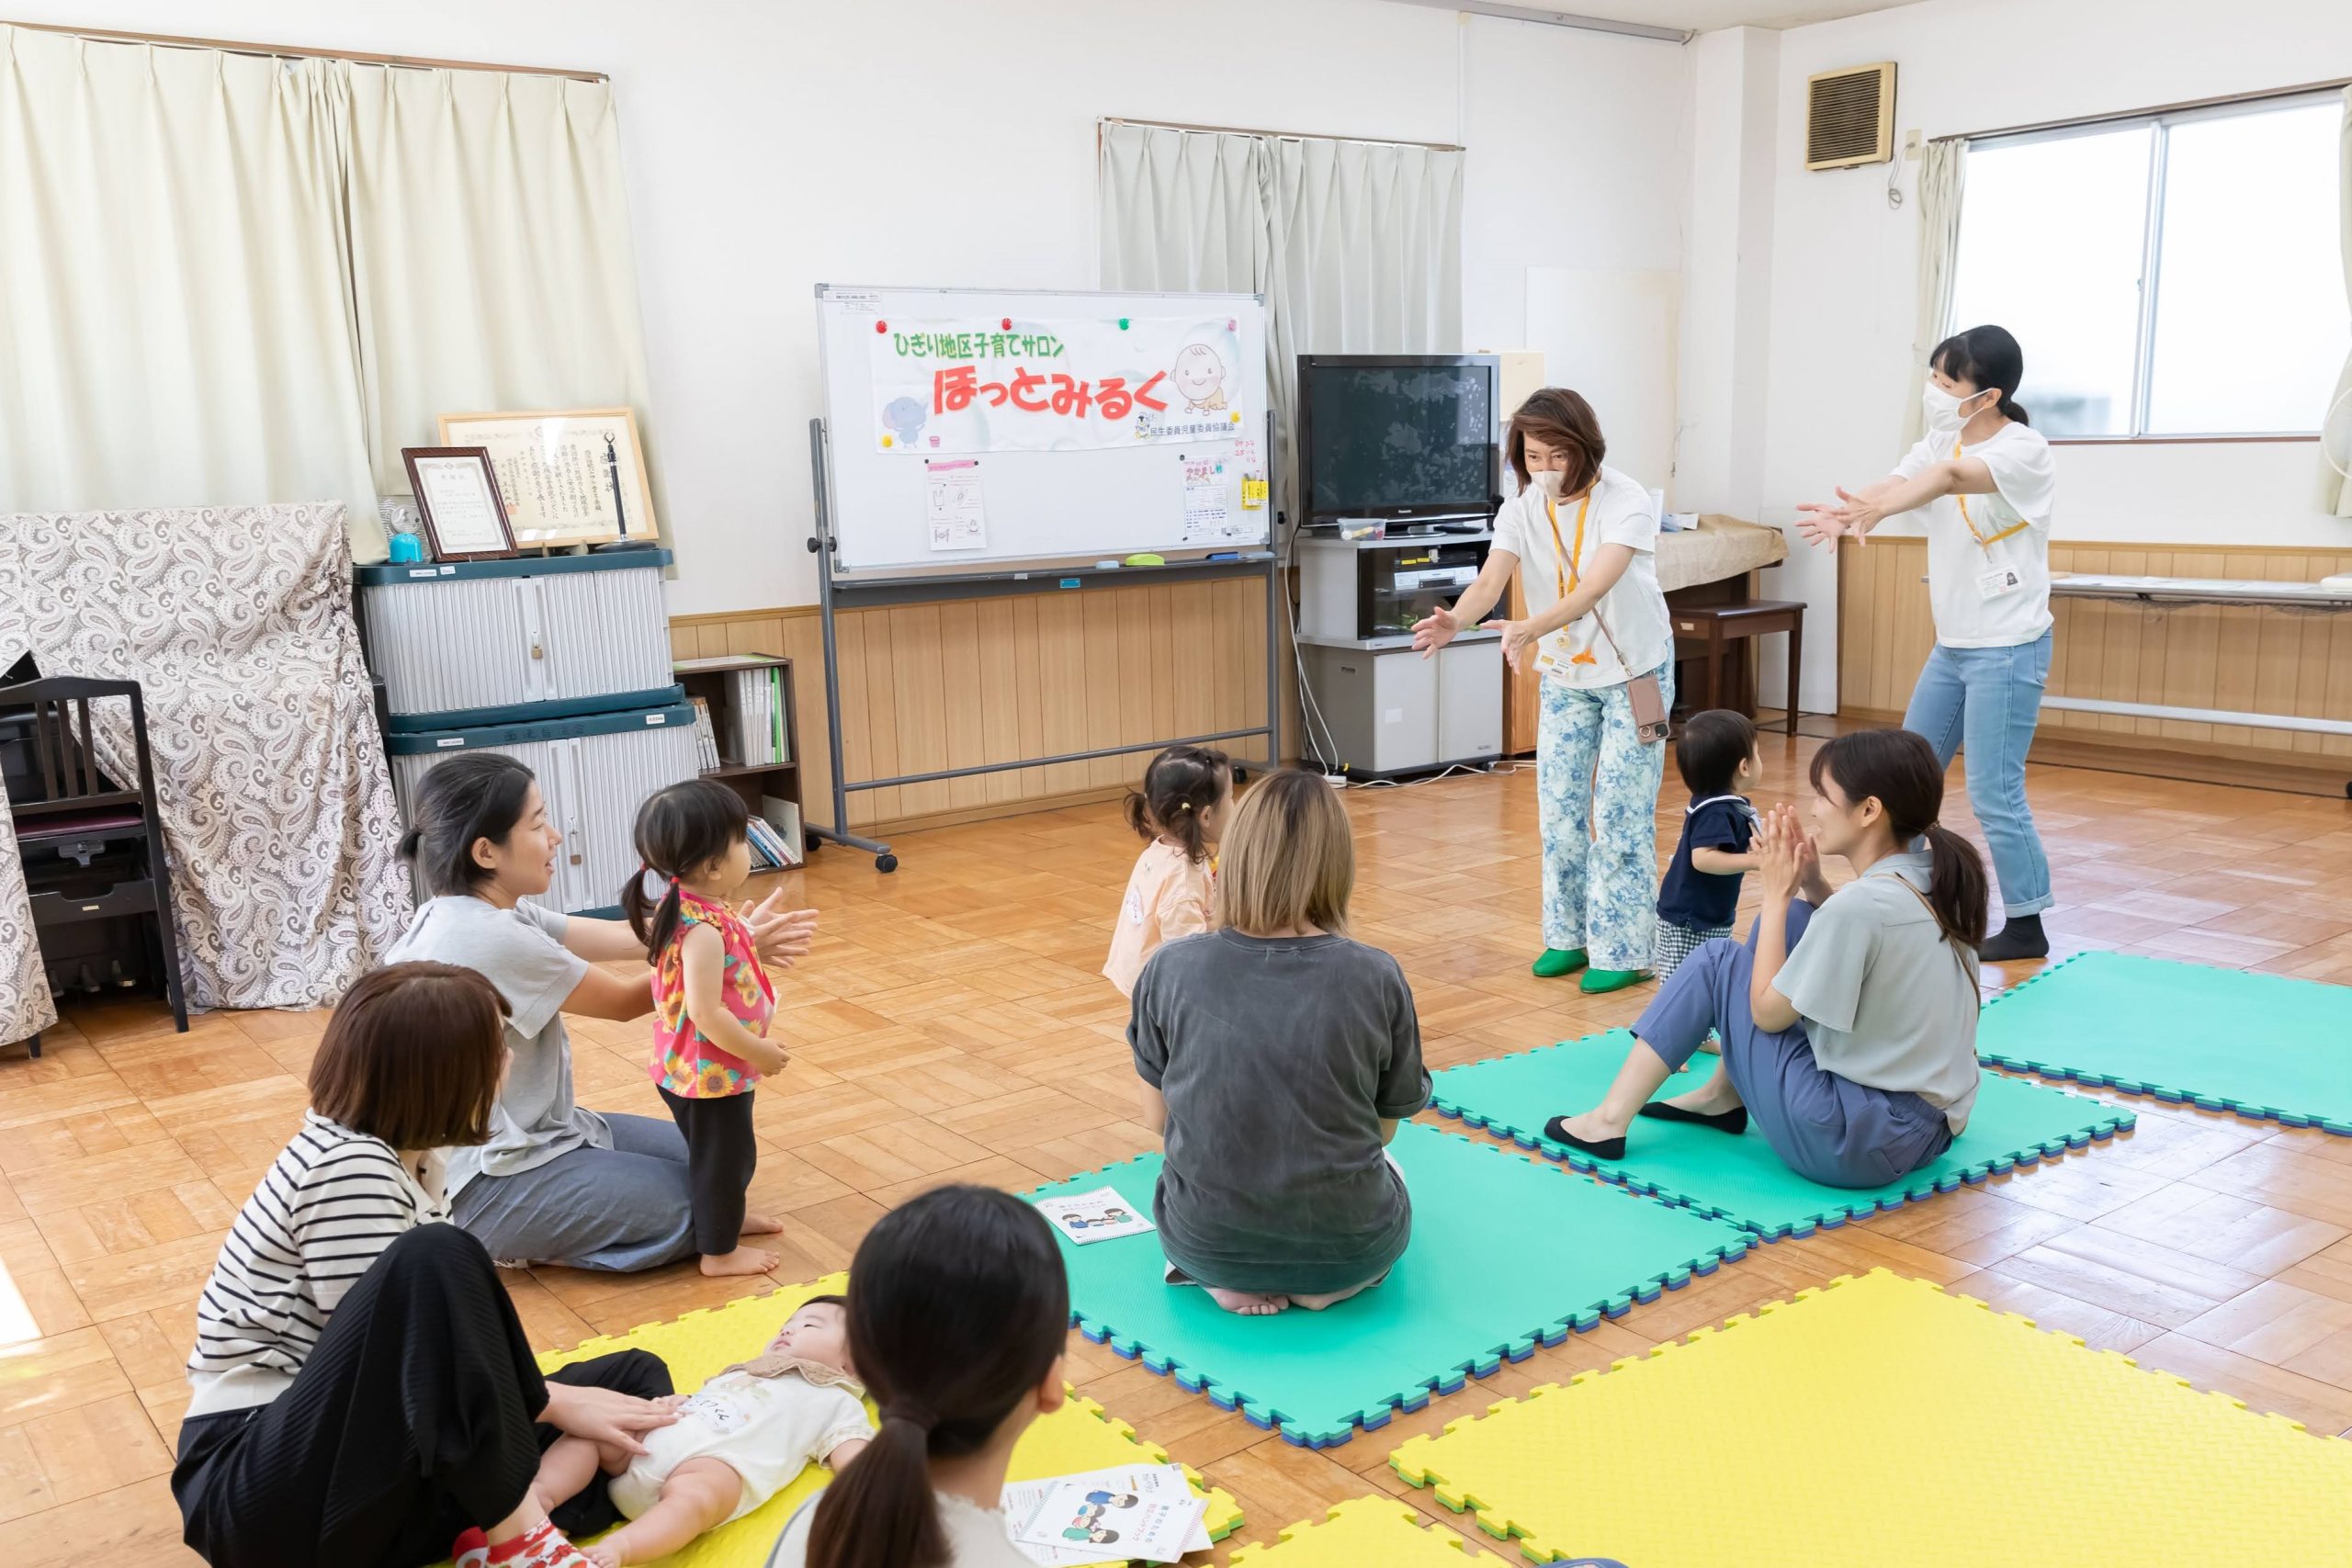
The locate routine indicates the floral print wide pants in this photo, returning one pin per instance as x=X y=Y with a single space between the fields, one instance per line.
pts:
x=1599 y=887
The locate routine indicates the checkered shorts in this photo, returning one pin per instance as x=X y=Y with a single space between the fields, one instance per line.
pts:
x=1674 y=943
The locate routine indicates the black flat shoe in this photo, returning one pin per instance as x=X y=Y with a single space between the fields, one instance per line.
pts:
x=1604 y=1148
x=1733 y=1120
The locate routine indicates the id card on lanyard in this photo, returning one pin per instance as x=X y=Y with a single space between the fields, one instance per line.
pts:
x=1565 y=566
x=1997 y=580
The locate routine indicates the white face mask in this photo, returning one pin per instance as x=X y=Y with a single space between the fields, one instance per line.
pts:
x=1548 y=483
x=1943 y=410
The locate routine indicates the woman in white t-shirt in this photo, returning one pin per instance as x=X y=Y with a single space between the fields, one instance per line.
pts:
x=1987 y=479
x=1582 y=538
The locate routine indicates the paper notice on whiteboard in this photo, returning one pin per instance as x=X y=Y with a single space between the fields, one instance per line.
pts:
x=959 y=521
x=1209 y=511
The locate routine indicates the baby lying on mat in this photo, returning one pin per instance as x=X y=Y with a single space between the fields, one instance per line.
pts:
x=738 y=1442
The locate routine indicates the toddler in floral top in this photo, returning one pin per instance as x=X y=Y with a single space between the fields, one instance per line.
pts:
x=713 y=1005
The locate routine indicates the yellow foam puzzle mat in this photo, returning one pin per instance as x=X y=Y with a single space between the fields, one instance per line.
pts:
x=1080 y=1436
x=1880 y=1421
x=1363 y=1532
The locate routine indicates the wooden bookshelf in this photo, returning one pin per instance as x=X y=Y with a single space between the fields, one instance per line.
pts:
x=713 y=682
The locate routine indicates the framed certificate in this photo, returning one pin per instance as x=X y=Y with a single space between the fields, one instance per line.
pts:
x=568 y=476
x=458 y=495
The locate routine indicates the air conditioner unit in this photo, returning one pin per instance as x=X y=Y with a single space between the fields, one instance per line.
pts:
x=1849 y=117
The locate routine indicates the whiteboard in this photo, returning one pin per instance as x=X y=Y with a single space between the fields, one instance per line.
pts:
x=986 y=429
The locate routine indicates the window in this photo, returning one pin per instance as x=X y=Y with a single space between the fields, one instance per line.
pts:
x=2176 y=276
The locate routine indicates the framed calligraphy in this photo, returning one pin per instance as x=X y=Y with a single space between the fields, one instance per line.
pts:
x=568 y=475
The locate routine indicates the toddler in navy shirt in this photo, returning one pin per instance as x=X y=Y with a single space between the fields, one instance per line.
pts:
x=1717 y=756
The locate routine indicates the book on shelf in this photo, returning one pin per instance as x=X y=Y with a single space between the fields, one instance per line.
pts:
x=783 y=816
x=706 y=736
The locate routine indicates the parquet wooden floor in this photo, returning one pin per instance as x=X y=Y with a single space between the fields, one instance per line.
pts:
x=951 y=1025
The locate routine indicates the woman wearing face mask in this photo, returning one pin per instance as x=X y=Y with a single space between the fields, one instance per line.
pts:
x=1987 y=479
x=1583 y=539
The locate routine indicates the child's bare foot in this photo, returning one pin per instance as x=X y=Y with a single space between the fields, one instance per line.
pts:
x=603 y=1553
x=742 y=1260
x=1248 y=1303
x=1711 y=1045
x=761 y=1225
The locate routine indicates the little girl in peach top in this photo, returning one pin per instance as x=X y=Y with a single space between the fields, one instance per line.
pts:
x=712 y=1004
x=1186 y=793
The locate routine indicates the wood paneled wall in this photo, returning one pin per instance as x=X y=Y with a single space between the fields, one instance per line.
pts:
x=952 y=685
x=2245 y=660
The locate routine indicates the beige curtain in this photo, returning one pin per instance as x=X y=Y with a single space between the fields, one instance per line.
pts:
x=1356 y=245
x=176 y=317
x=490 y=254
x=2335 y=490
x=1942 y=168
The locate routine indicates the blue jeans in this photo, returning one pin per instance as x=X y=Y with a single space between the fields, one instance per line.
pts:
x=1984 y=702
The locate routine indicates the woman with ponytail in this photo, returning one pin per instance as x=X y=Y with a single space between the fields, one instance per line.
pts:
x=1847 y=1020
x=958 y=1309
x=1986 y=481
x=554 y=1183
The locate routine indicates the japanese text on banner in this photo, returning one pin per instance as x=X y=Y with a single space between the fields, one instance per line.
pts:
x=945 y=386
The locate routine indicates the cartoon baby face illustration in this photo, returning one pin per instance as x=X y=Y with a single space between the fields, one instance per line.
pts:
x=1200 y=375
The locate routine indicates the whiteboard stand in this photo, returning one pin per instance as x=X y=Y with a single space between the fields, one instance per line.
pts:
x=836 y=592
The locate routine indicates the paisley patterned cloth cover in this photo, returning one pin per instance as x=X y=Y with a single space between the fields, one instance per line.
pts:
x=25 y=1009
x=279 y=818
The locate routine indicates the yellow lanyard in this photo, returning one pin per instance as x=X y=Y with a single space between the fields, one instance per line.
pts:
x=1567 y=574
x=1982 y=542
x=1563 y=561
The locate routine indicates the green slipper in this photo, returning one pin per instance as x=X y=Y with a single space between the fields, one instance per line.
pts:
x=1597 y=981
x=1555 y=962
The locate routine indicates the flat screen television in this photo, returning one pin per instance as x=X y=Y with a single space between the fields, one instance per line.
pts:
x=1398 y=437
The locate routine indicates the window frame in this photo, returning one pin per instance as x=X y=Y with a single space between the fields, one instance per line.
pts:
x=2152 y=245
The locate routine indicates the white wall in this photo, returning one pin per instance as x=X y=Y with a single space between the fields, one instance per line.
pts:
x=772 y=146
x=1843 y=267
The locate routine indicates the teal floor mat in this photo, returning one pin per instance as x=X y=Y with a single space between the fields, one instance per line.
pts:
x=2262 y=1045
x=1507 y=1254
x=1741 y=1179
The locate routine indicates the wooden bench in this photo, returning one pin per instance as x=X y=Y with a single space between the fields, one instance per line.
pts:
x=1705 y=631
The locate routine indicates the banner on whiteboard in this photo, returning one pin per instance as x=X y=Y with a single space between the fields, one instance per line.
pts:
x=1055 y=385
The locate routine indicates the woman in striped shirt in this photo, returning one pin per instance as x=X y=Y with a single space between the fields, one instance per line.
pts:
x=363 y=1392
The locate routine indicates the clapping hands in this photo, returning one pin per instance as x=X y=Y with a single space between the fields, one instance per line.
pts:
x=1823 y=523
x=1788 y=859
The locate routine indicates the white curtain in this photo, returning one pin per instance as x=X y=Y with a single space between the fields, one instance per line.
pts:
x=235 y=280
x=175 y=314
x=1942 y=168
x=1357 y=245
x=2335 y=490
x=490 y=254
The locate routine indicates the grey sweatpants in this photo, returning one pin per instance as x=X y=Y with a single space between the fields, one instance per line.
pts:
x=616 y=1209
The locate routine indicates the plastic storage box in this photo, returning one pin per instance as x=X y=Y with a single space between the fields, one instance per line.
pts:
x=594 y=770
x=463 y=644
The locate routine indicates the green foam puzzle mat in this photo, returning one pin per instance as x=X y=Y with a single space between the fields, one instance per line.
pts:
x=2262 y=1045
x=1740 y=1178
x=1507 y=1254
x=1880 y=1423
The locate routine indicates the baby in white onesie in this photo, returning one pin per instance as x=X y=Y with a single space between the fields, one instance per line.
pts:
x=738 y=1442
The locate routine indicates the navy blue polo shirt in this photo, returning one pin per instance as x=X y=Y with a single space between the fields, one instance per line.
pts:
x=1694 y=900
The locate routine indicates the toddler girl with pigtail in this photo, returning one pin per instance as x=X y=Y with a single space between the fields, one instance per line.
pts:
x=713 y=1005
x=1186 y=793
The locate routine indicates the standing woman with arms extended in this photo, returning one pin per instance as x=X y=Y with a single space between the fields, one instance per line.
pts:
x=1987 y=480
x=1583 y=539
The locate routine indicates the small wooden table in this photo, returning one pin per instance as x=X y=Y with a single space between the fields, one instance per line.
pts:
x=1704 y=630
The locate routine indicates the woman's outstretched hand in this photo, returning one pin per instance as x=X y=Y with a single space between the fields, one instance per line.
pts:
x=1434 y=630
x=781 y=935
x=1519 y=642
x=1823 y=523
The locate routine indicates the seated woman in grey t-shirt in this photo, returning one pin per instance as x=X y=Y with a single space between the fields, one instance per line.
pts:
x=556 y=1183
x=1854 y=1048
x=1277 y=1058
